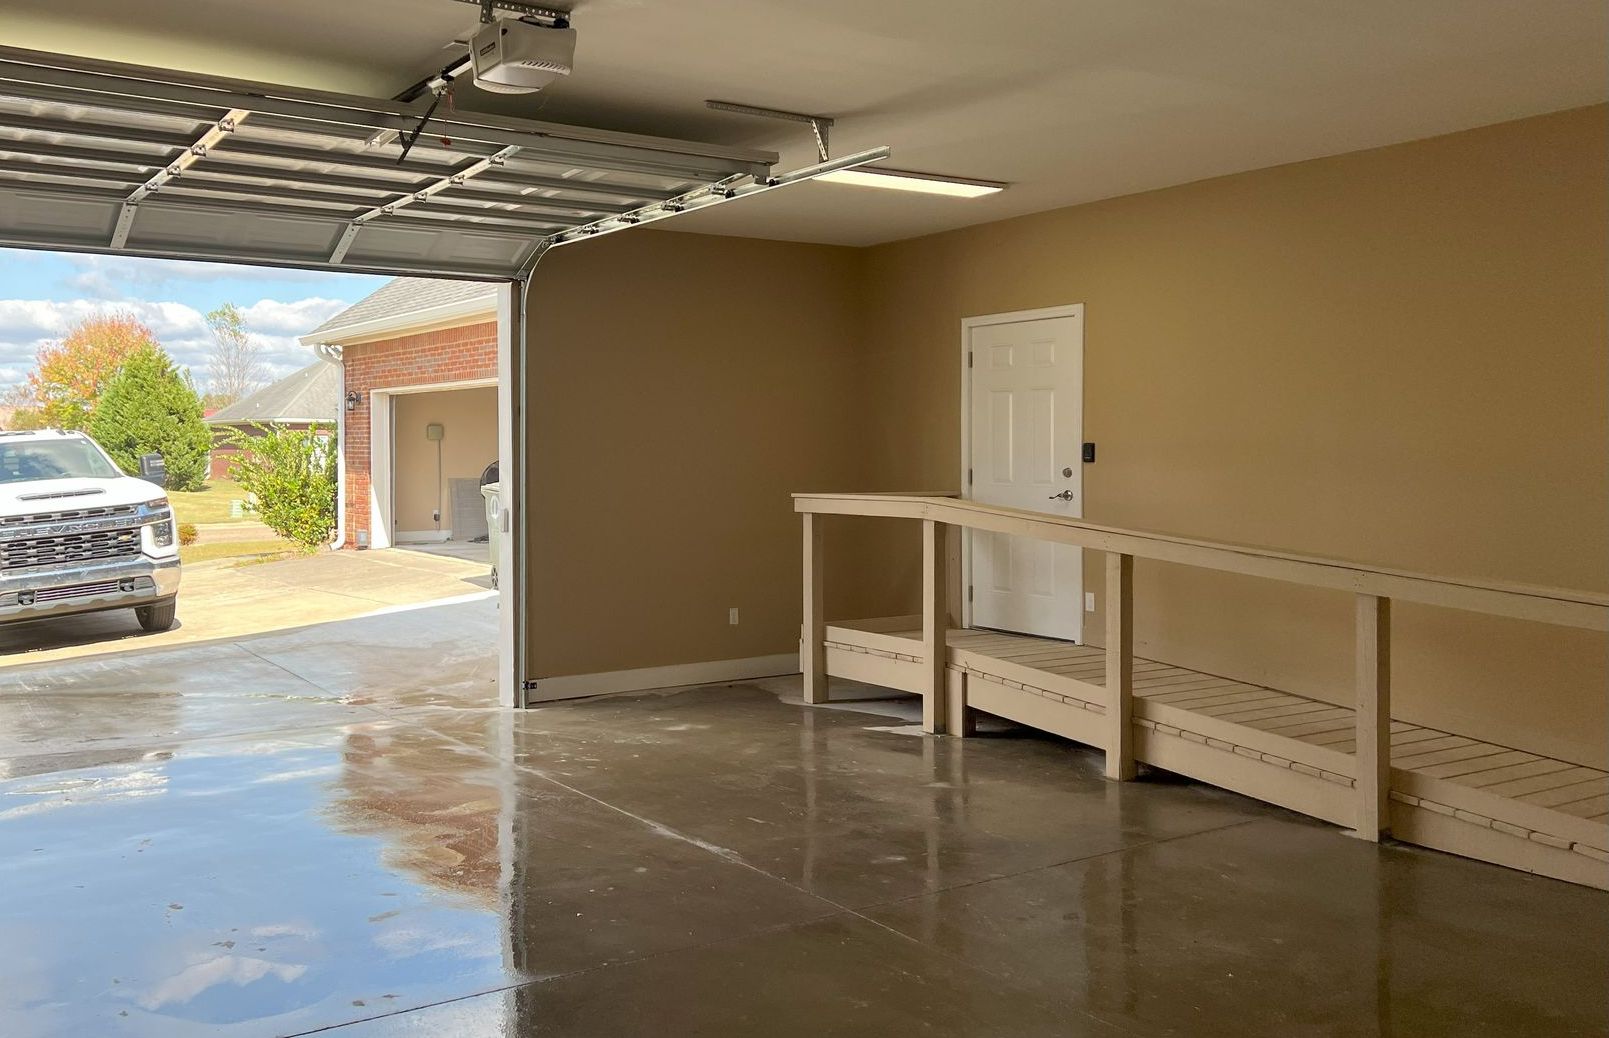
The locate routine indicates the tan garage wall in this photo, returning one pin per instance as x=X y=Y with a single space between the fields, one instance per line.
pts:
x=681 y=387
x=1395 y=356
x=469 y=420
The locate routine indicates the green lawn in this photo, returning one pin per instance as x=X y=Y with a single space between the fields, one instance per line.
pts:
x=234 y=549
x=210 y=505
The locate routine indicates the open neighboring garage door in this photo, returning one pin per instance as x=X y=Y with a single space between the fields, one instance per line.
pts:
x=112 y=158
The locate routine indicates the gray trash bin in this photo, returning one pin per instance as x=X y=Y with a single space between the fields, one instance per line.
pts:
x=494 y=521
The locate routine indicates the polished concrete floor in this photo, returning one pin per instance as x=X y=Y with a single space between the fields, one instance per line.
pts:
x=329 y=831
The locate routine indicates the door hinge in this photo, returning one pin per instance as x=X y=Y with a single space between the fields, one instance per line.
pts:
x=969 y=477
x=969 y=358
x=528 y=685
x=969 y=592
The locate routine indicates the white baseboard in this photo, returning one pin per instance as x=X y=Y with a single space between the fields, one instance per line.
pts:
x=572 y=686
x=402 y=537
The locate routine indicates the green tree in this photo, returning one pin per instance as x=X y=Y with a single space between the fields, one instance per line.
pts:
x=291 y=475
x=150 y=406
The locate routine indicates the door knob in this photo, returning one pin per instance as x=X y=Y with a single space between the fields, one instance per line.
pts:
x=1065 y=495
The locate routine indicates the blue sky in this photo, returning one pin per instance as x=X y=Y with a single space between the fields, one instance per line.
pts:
x=43 y=293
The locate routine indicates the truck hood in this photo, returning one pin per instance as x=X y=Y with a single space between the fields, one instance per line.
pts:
x=58 y=495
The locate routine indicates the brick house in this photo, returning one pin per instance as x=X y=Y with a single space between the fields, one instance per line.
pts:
x=311 y=396
x=418 y=410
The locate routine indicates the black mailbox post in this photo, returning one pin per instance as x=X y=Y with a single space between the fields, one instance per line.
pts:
x=153 y=469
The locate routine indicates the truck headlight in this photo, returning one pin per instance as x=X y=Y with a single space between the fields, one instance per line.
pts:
x=162 y=533
x=161 y=530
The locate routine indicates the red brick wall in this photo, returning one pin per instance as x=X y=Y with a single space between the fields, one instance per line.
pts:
x=219 y=465
x=223 y=449
x=447 y=355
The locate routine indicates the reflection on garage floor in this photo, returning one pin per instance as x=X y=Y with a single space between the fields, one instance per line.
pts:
x=331 y=828
x=225 y=599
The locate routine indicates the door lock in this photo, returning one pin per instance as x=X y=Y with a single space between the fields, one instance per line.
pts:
x=1065 y=495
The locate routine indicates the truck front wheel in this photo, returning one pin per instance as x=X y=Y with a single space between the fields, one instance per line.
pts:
x=157 y=617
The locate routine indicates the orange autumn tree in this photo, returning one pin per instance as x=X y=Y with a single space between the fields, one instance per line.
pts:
x=70 y=374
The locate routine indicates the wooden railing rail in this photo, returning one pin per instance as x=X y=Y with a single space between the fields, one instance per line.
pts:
x=1374 y=587
x=1565 y=607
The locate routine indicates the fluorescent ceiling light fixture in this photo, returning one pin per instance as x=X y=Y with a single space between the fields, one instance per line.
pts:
x=902 y=180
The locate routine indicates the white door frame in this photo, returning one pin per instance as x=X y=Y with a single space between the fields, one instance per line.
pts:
x=982 y=321
x=383 y=451
x=511 y=599
x=513 y=602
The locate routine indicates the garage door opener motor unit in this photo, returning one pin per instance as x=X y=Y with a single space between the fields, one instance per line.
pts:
x=518 y=57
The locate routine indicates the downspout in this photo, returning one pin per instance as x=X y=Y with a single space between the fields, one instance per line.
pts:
x=330 y=353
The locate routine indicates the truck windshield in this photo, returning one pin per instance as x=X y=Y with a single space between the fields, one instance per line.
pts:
x=53 y=459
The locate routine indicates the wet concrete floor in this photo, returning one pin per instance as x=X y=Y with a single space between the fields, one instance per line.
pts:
x=331 y=831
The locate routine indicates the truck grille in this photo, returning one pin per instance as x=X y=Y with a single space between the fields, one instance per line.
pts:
x=74 y=547
x=54 y=594
x=69 y=515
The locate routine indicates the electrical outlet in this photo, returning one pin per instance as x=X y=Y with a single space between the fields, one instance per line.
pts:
x=731 y=616
x=1089 y=601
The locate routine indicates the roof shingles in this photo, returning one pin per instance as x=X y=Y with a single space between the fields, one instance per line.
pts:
x=401 y=296
x=312 y=394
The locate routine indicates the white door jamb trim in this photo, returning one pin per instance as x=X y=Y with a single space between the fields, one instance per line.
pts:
x=513 y=601
x=380 y=451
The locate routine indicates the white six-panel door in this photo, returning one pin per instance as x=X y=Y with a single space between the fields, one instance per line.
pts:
x=1025 y=410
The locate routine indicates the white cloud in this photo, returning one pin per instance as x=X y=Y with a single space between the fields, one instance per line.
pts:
x=115 y=277
x=28 y=324
x=272 y=317
x=239 y=970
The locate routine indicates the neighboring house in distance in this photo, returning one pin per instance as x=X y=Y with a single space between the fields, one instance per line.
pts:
x=298 y=401
x=419 y=413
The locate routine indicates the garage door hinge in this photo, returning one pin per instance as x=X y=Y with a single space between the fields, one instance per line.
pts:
x=528 y=685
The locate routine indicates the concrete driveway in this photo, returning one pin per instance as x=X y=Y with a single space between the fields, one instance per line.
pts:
x=122 y=707
x=225 y=599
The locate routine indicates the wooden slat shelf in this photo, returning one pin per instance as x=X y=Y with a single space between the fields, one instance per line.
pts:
x=1353 y=765
x=1537 y=813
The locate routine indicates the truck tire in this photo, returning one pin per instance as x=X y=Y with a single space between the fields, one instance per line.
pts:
x=157 y=617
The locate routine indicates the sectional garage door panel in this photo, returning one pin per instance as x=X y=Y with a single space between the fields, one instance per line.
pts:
x=97 y=156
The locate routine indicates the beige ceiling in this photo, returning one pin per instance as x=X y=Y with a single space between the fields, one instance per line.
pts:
x=1069 y=100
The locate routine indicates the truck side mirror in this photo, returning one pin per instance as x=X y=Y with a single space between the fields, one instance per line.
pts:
x=154 y=470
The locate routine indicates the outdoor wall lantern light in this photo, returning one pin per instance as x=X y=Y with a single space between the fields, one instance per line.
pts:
x=352 y=399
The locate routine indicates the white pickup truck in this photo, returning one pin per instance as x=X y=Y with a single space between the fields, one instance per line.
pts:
x=78 y=535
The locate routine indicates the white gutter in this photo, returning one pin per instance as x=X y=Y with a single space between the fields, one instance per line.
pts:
x=404 y=322
x=330 y=353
